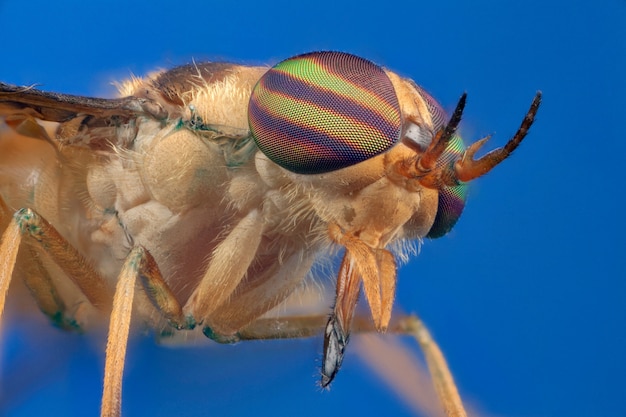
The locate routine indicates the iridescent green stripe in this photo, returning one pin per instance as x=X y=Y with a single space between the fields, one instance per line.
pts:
x=323 y=78
x=324 y=111
x=344 y=107
x=451 y=199
x=303 y=113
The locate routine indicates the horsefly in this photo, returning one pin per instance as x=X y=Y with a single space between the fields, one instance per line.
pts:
x=201 y=199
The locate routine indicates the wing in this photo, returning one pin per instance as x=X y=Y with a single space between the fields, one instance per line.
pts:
x=163 y=96
x=58 y=107
x=76 y=115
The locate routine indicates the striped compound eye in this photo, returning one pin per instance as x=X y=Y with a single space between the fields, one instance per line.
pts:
x=452 y=198
x=324 y=111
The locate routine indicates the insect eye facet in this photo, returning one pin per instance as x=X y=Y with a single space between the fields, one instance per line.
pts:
x=437 y=114
x=451 y=198
x=324 y=111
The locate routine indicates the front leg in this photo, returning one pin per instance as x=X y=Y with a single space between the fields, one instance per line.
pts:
x=229 y=264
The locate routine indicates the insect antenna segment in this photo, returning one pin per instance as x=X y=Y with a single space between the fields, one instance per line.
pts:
x=427 y=162
x=466 y=168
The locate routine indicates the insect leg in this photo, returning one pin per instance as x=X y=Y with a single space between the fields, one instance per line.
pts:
x=284 y=328
x=38 y=280
x=139 y=264
x=5 y=215
x=254 y=299
x=117 y=341
x=26 y=222
x=411 y=325
x=440 y=373
x=158 y=291
x=297 y=327
x=43 y=236
x=229 y=263
x=9 y=246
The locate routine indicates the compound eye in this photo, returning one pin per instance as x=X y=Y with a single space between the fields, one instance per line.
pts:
x=451 y=199
x=421 y=135
x=437 y=114
x=323 y=111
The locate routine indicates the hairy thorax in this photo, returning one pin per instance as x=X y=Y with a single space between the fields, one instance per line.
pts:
x=181 y=190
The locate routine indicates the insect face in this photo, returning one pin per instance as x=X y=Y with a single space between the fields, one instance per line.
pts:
x=321 y=112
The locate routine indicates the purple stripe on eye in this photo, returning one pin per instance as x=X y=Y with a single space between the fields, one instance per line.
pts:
x=301 y=149
x=362 y=73
x=451 y=205
x=324 y=111
x=387 y=123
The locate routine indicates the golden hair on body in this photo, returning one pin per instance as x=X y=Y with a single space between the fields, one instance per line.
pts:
x=203 y=196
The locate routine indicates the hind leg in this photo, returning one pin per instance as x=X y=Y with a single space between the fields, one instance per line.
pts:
x=29 y=228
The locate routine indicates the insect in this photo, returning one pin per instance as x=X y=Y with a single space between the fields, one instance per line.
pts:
x=201 y=199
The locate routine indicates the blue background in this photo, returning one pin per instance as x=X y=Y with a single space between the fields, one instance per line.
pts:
x=526 y=296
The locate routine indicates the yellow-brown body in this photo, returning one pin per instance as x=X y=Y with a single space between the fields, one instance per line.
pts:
x=172 y=169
